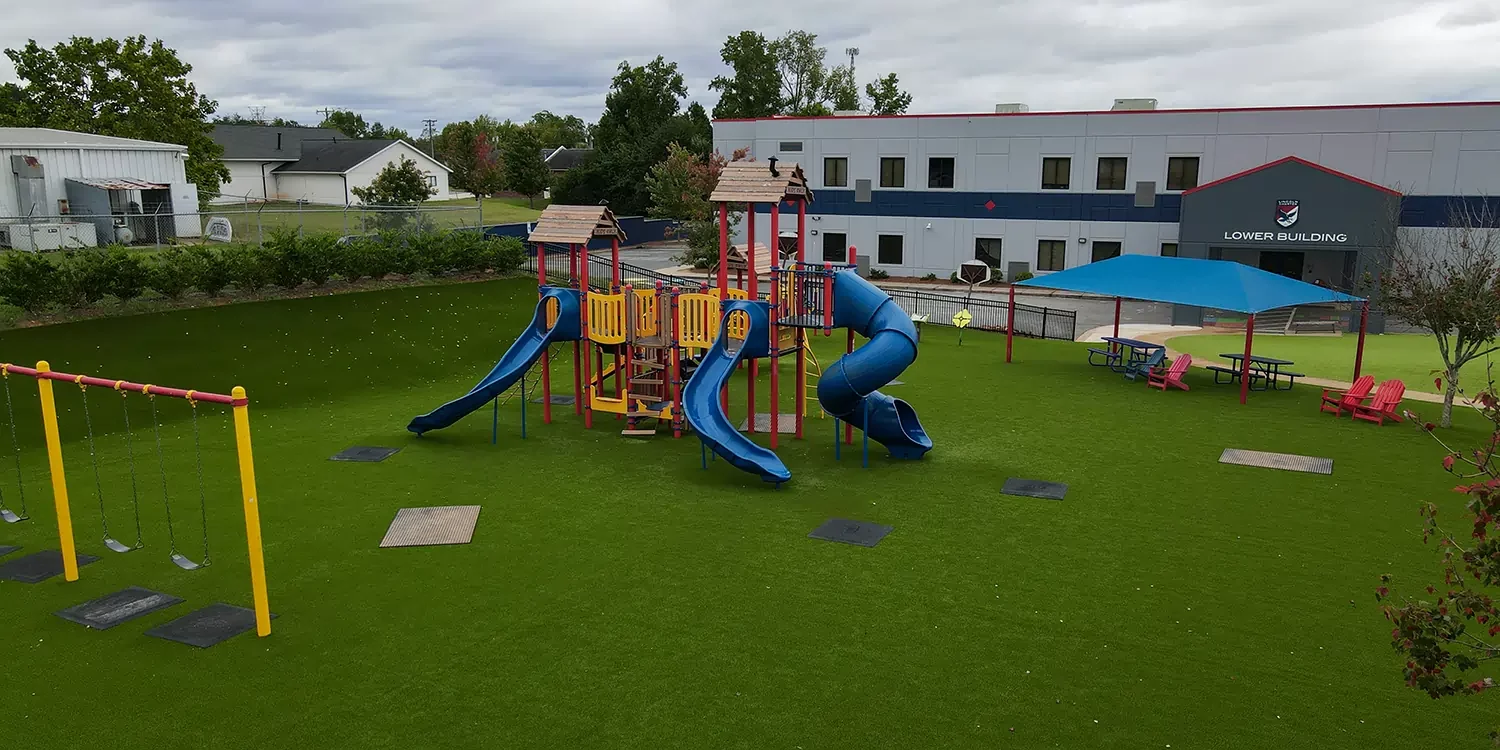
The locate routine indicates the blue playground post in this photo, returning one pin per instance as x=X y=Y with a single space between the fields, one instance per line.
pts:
x=865 y=409
x=703 y=454
x=495 y=423
x=837 y=447
x=523 y=406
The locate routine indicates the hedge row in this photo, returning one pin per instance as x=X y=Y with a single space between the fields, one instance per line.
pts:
x=36 y=282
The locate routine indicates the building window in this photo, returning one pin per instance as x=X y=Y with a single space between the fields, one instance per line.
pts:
x=1106 y=250
x=892 y=172
x=1051 y=255
x=1111 y=173
x=888 y=249
x=836 y=171
x=987 y=249
x=1168 y=249
x=835 y=247
x=940 y=172
x=791 y=146
x=1055 y=172
x=432 y=181
x=1182 y=172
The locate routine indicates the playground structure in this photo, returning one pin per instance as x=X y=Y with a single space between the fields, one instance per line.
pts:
x=662 y=357
x=239 y=403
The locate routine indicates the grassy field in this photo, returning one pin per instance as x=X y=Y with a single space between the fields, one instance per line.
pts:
x=1412 y=358
x=249 y=223
x=616 y=595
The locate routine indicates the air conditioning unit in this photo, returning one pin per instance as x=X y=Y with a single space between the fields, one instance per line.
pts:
x=1011 y=108
x=36 y=237
x=1133 y=105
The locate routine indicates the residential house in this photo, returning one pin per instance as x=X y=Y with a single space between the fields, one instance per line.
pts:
x=312 y=165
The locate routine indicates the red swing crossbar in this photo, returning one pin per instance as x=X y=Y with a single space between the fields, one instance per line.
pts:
x=126 y=385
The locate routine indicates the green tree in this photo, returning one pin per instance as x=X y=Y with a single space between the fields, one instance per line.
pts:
x=804 y=77
x=127 y=88
x=455 y=145
x=378 y=131
x=841 y=91
x=400 y=183
x=559 y=130
x=486 y=176
x=886 y=96
x=640 y=102
x=525 y=172
x=680 y=186
x=347 y=122
x=755 y=88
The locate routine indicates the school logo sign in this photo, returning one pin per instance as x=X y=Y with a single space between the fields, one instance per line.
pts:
x=1286 y=213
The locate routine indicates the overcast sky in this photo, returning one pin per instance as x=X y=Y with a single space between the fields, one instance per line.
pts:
x=400 y=61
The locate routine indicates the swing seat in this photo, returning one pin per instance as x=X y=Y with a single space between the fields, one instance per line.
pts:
x=116 y=545
x=184 y=563
x=9 y=516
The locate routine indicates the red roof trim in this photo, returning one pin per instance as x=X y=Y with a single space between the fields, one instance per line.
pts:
x=1203 y=110
x=1298 y=160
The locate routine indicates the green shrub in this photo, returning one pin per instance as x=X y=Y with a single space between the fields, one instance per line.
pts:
x=1022 y=276
x=877 y=274
x=401 y=248
x=247 y=267
x=466 y=252
x=208 y=270
x=504 y=254
x=287 y=265
x=84 y=277
x=344 y=258
x=29 y=281
x=930 y=277
x=170 y=274
x=431 y=250
x=317 y=253
x=128 y=274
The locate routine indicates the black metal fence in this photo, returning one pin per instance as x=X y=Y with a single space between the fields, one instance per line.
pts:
x=989 y=313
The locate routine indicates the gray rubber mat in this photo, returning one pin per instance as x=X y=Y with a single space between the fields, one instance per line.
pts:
x=1283 y=461
x=786 y=424
x=364 y=454
x=38 y=566
x=422 y=527
x=122 y=606
x=1039 y=488
x=207 y=627
x=862 y=533
x=6 y=549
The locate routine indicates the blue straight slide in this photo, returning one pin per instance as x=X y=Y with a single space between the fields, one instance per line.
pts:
x=847 y=389
x=705 y=412
x=517 y=360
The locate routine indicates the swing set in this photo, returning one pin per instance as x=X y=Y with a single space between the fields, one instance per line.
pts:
x=239 y=404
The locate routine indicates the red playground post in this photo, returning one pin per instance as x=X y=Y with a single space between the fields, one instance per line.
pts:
x=798 y=308
x=849 y=349
x=752 y=293
x=573 y=277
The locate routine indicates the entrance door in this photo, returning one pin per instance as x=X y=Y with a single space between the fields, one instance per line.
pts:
x=1279 y=261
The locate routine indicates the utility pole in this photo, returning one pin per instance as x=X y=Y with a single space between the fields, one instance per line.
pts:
x=852 y=52
x=258 y=114
x=325 y=112
x=431 y=134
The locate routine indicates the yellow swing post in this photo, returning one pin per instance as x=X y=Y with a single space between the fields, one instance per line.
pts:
x=59 y=480
x=252 y=512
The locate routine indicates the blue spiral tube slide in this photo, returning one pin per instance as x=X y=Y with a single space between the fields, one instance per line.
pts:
x=848 y=389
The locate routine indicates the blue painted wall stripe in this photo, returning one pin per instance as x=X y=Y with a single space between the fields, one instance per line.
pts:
x=1416 y=210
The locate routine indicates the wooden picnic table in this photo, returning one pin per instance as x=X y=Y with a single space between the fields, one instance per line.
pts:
x=1263 y=370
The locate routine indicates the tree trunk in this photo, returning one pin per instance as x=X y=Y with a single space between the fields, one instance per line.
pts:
x=531 y=201
x=1448 y=394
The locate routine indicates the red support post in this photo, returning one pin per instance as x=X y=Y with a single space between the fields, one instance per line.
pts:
x=1010 y=322
x=588 y=356
x=723 y=250
x=750 y=250
x=849 y=349
x=614 y=261
x=541 y=264
x=1359 y=351
x=802 y=230
x=775 y=345
x=573 y=278
x=1245 y=363
x=827 y=299
x=798 y=308
x=676 y=392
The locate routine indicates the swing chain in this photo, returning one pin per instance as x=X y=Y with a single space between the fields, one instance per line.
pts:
x=198 y=456
x=162 y=464
x=135 y=495
x=14 y=442
x=88 y=421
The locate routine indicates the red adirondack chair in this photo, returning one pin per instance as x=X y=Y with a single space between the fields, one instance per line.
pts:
x=1337 y=402
x=1383 y=405
x=1161 y=378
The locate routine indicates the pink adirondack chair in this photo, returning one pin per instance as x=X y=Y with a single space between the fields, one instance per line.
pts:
x=1337 y=402
x=1383 y=405
x=1161 y=378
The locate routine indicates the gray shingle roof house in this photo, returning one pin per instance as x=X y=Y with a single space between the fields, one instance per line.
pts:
x=312 y=165
x=562 y=158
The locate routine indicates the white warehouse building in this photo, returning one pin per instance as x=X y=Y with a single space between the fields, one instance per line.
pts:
x=63 y=189
x=1303 y=191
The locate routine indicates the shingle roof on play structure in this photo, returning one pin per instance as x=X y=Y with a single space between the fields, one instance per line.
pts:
x=1215 y=284
x=753 y=182
x=575 y=224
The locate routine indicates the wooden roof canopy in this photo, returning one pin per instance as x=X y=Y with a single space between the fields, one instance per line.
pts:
x=738 y=261
x=575 y=225
x=753 y=182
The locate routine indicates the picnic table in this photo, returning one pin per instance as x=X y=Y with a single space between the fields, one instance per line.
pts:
x=1130 y=356
x=1267 y=372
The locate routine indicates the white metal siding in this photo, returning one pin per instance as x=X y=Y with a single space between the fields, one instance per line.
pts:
x=364 y=173
x=245 y=181
x=314 y=188
x=59 y=164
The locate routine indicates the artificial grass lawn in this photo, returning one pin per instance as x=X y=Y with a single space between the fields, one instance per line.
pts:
x=1412 y=358
x=616 y=595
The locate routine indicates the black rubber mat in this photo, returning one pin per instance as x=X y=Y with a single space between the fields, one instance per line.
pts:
x=364 y=454
x=1034 y=488
x=38 y=566
x=122 y=606
x=207 y=627
x=862 y=533
x=6 y=549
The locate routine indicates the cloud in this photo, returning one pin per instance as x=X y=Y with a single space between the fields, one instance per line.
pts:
x=399 y=61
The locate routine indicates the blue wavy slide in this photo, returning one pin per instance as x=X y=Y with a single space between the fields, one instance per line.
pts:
x=848 y=384
x=517 y=360
x=700 y=399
